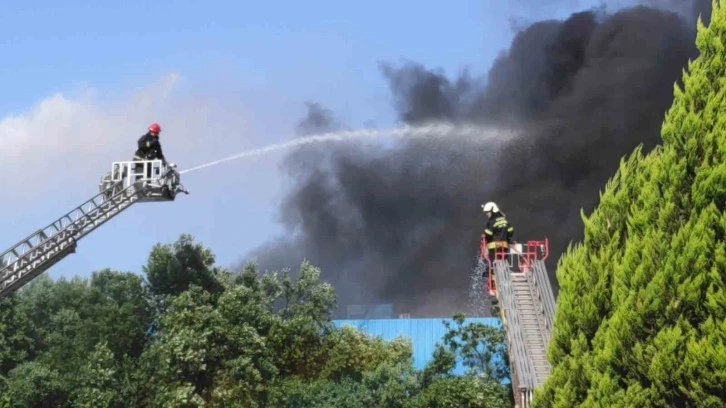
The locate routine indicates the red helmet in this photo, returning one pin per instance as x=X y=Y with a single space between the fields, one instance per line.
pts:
x=155 y=128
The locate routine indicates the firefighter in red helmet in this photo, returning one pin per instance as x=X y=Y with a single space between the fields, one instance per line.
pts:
x=149 y=148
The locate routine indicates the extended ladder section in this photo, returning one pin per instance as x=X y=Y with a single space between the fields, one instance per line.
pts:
x=527 y=305
x=126 y=184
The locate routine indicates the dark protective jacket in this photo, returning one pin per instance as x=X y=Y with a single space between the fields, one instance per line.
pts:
x=149 y=148
x=498 y=232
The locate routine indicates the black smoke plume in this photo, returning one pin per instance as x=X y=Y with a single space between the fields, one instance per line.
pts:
x=402 y=225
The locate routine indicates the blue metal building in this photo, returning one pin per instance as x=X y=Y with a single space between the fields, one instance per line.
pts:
x=424 y=333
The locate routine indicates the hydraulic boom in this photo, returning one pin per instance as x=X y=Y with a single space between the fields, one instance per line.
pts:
x=518 y=278
x=126 y=183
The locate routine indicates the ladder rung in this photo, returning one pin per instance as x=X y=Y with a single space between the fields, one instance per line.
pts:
x=71 y=226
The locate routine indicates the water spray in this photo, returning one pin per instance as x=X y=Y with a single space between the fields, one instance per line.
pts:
x=434 y=130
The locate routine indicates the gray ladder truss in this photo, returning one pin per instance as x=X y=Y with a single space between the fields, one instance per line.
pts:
x=39 y=251
x=527 y=305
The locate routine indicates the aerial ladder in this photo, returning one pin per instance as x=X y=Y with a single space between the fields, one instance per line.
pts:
x=127 y=183
x=518 y=279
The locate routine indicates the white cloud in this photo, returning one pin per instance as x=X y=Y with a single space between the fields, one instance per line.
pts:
x=64 y=139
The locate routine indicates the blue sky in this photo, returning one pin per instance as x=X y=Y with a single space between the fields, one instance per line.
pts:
x=82 y=80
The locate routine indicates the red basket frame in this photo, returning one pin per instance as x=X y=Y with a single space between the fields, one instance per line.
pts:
x=532 y=250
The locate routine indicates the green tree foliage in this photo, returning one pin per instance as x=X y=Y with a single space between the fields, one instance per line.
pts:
x=171 y=269
x=193 y=335
x=481 y=347
x=641 y=309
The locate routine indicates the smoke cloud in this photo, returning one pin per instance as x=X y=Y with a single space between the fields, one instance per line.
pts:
x=402 y=224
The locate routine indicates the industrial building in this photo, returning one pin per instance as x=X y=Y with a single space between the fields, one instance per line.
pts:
x=424 y=333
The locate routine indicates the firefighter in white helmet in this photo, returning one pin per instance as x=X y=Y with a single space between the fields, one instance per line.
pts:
x=498 y=232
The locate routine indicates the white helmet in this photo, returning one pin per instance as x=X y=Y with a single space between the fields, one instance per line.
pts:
x=490 y=206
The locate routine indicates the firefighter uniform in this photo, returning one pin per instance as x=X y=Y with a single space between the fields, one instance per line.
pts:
x=498 y=231
x=149 y=148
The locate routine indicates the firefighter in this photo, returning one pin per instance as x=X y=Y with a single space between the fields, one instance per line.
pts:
x=149 y=148
x=498 y=232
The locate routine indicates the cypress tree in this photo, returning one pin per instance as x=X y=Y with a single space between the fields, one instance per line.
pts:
x=641 y=312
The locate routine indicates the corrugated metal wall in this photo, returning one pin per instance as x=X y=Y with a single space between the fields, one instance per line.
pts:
x=423 y=333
